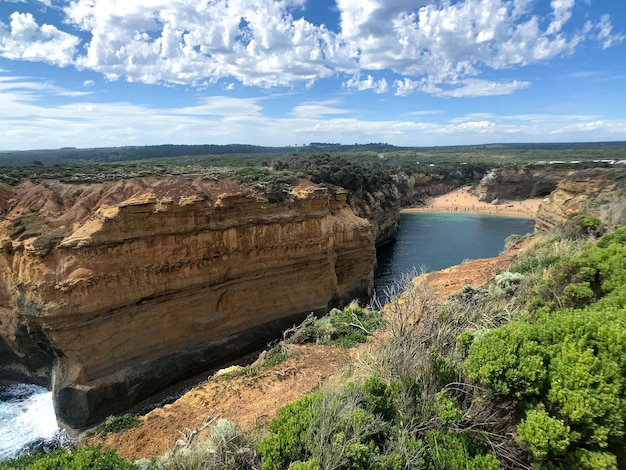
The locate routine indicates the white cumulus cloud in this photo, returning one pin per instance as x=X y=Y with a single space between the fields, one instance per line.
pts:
x=432 y=46
x=24 y=39
x=378 y=86
x=258 y=42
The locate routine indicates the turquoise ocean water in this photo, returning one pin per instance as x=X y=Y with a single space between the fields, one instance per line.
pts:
x=431 y=242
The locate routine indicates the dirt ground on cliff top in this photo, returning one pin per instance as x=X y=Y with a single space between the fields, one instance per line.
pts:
x=254 y=400
x=246 y=400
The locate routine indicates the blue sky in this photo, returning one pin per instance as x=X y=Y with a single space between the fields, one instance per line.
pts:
x=91 y=73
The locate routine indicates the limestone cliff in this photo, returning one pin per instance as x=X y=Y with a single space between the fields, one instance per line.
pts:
x=112 y=291
x=520 y=182
x=582 y=191
x=416 y=187
x=382 y=209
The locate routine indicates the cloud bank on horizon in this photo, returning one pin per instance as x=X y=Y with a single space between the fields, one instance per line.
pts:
x=277 y=72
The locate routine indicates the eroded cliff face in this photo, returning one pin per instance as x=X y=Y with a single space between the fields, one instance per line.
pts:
x=112 y=291
x=382 y=209
x=520 y=183
x=574 y=194
x=416 y=187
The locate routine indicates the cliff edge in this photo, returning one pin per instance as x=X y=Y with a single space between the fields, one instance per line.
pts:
x=110 y=292
x=591 y=191
x=520 y=182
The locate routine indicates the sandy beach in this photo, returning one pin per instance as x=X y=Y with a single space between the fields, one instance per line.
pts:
x=462 y=201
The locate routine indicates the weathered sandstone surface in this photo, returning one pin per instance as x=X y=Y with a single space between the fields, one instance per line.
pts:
x=416 y=187
x=520 y=183
x=382 y=209
x=110 y=292
x=575 y=192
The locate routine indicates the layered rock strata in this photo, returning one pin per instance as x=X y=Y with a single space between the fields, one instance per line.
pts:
x=382 y=209
x=604 y=188
x=520 y=183
x=414 y=188
x=110 y=292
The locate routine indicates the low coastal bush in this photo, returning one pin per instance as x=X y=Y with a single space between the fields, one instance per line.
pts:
x=348 y=427
x=115 y=424
x=512 y=375
x=363 y=427
x=585 y=277
x=562 y=369
x=345 y=328
x=225 y=448
x=81 y=458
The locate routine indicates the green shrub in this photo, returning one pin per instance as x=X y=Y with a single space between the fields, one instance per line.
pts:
x=353 y=427
x=529 y=264
x=353 y=325
x=543 y=434
x=583 y=225
x=578 y=295
x=589 y=222
x=509 y=359
x=82 y=458
x=465 y=340
x=308 y=465
x=449 y=451
x=444 y=370
x=448 y=410
x=603 y=265
x=617 y=237
x=506 y=284
x=583 y=459
x=380 y=397
x=115 y=424
x=286 y=440
x=225 y=448
x=345 y=328
x=570 y=363
x=484 y=462
x=576 y=281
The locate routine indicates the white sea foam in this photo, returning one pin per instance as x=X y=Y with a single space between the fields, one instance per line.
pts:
x=26 y=416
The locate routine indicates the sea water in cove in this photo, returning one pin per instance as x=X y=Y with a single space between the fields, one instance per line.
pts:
x=27 y=420
x=430 y=242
